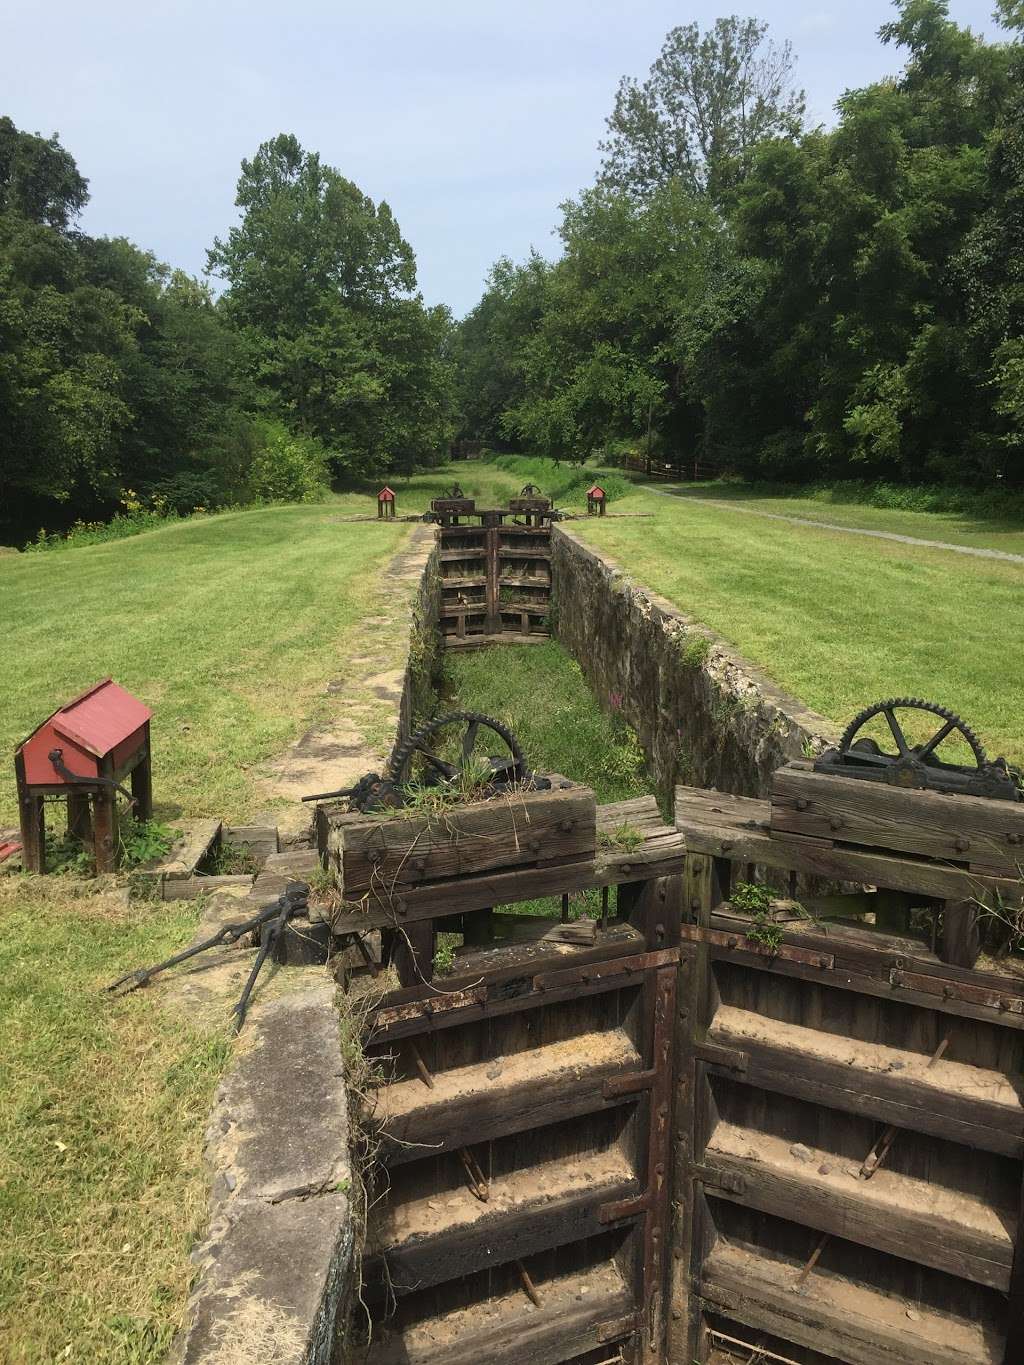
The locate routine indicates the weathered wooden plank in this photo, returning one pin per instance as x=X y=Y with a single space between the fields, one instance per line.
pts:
x=259 y=839
x=660 y=855
x=508 y=1095
x=960 y=829
x=737 y=828
x=573 y=1319
x=886 y=974
x=963 y=1103
x=1015 y=1315
x=372 y=853
x=839 y=1318
x=536 y=929
x=436 y=1240
x=890 y=1212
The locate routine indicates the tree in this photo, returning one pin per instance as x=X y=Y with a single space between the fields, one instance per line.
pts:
x=38 y=178
x=707 y=101
x=321 y=286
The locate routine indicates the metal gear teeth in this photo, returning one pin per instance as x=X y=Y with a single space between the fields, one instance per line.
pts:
x=917 y=704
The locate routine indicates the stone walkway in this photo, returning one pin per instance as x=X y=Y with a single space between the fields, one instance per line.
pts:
x=370 y=681
x=976 y=550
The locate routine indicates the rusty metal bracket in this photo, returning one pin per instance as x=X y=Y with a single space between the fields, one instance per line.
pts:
x=964 y=991
x=713 y=1178
x=719 y=938
x=716 y=1055
x=607 y=971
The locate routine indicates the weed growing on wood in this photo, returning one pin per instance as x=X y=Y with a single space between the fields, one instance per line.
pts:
x=626 y=837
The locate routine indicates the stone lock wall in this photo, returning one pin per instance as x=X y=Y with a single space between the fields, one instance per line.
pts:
x=704 y=715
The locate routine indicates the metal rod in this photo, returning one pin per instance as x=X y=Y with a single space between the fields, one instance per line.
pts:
x=528 y=1284
x=477 y=1181
x=755 y=1351
x=421 y=1066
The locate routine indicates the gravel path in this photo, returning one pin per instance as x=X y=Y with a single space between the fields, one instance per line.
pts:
x=976 y=550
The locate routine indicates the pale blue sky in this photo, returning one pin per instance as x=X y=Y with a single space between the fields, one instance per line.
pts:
x=474 y=120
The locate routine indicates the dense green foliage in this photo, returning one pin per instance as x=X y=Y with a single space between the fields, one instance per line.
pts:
x=321 y=288
x=121 y=378
x=789 y=305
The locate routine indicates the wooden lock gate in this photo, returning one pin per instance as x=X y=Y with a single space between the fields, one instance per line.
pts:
x=495 y=578
x=525 y=1120
x=678 y=1137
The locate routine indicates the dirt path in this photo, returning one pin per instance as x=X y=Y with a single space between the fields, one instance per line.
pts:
x=369 y=681
x=976 y=550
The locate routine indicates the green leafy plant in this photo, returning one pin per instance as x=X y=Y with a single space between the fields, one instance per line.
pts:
x=232 y=859
x=444 y=956
x=69 y=855
x=756 y=901
x=694 y=649
x=751 y=898
x=143 y=841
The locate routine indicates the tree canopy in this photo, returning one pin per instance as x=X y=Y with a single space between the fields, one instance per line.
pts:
x=120 y=376
x=787 y=304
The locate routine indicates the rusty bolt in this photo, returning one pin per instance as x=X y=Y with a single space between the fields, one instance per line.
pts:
x=948 y=992
x=962 y=844
x=1013 y=838
x=627 y=867
x=401 y=906
x=566 y=825
x=802 y=803
x=1005 y=1003
x=732 y=941
x=822 y=961
x=677 y=1313
x=836 y=822
x=726 y=845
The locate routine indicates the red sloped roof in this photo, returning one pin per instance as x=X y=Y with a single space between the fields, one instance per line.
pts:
x=386 y=494
x=101 y=718
x=595 y=490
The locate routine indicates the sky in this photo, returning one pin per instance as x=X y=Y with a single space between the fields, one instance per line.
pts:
x=474 y=120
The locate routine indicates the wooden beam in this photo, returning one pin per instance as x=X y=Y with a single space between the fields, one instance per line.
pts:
x=423 y=1246
x=898 y=1214
x=841 y=1318
x=736 y=827
x=513 y=1095
x=948 y=828
x=951 y=1100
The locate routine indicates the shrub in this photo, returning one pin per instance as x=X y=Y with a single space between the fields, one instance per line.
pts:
x=288 y=467
x=565 y=484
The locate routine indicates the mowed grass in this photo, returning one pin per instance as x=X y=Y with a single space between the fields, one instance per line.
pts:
x=836 y=620
x=101 y=1128
x=539 y=692
x=954 y=528
x=229 y=627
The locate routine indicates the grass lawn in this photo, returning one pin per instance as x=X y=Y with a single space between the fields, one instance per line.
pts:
x=101 y=1128
x=838 y=621
x=539 y=692
x=955 y=528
